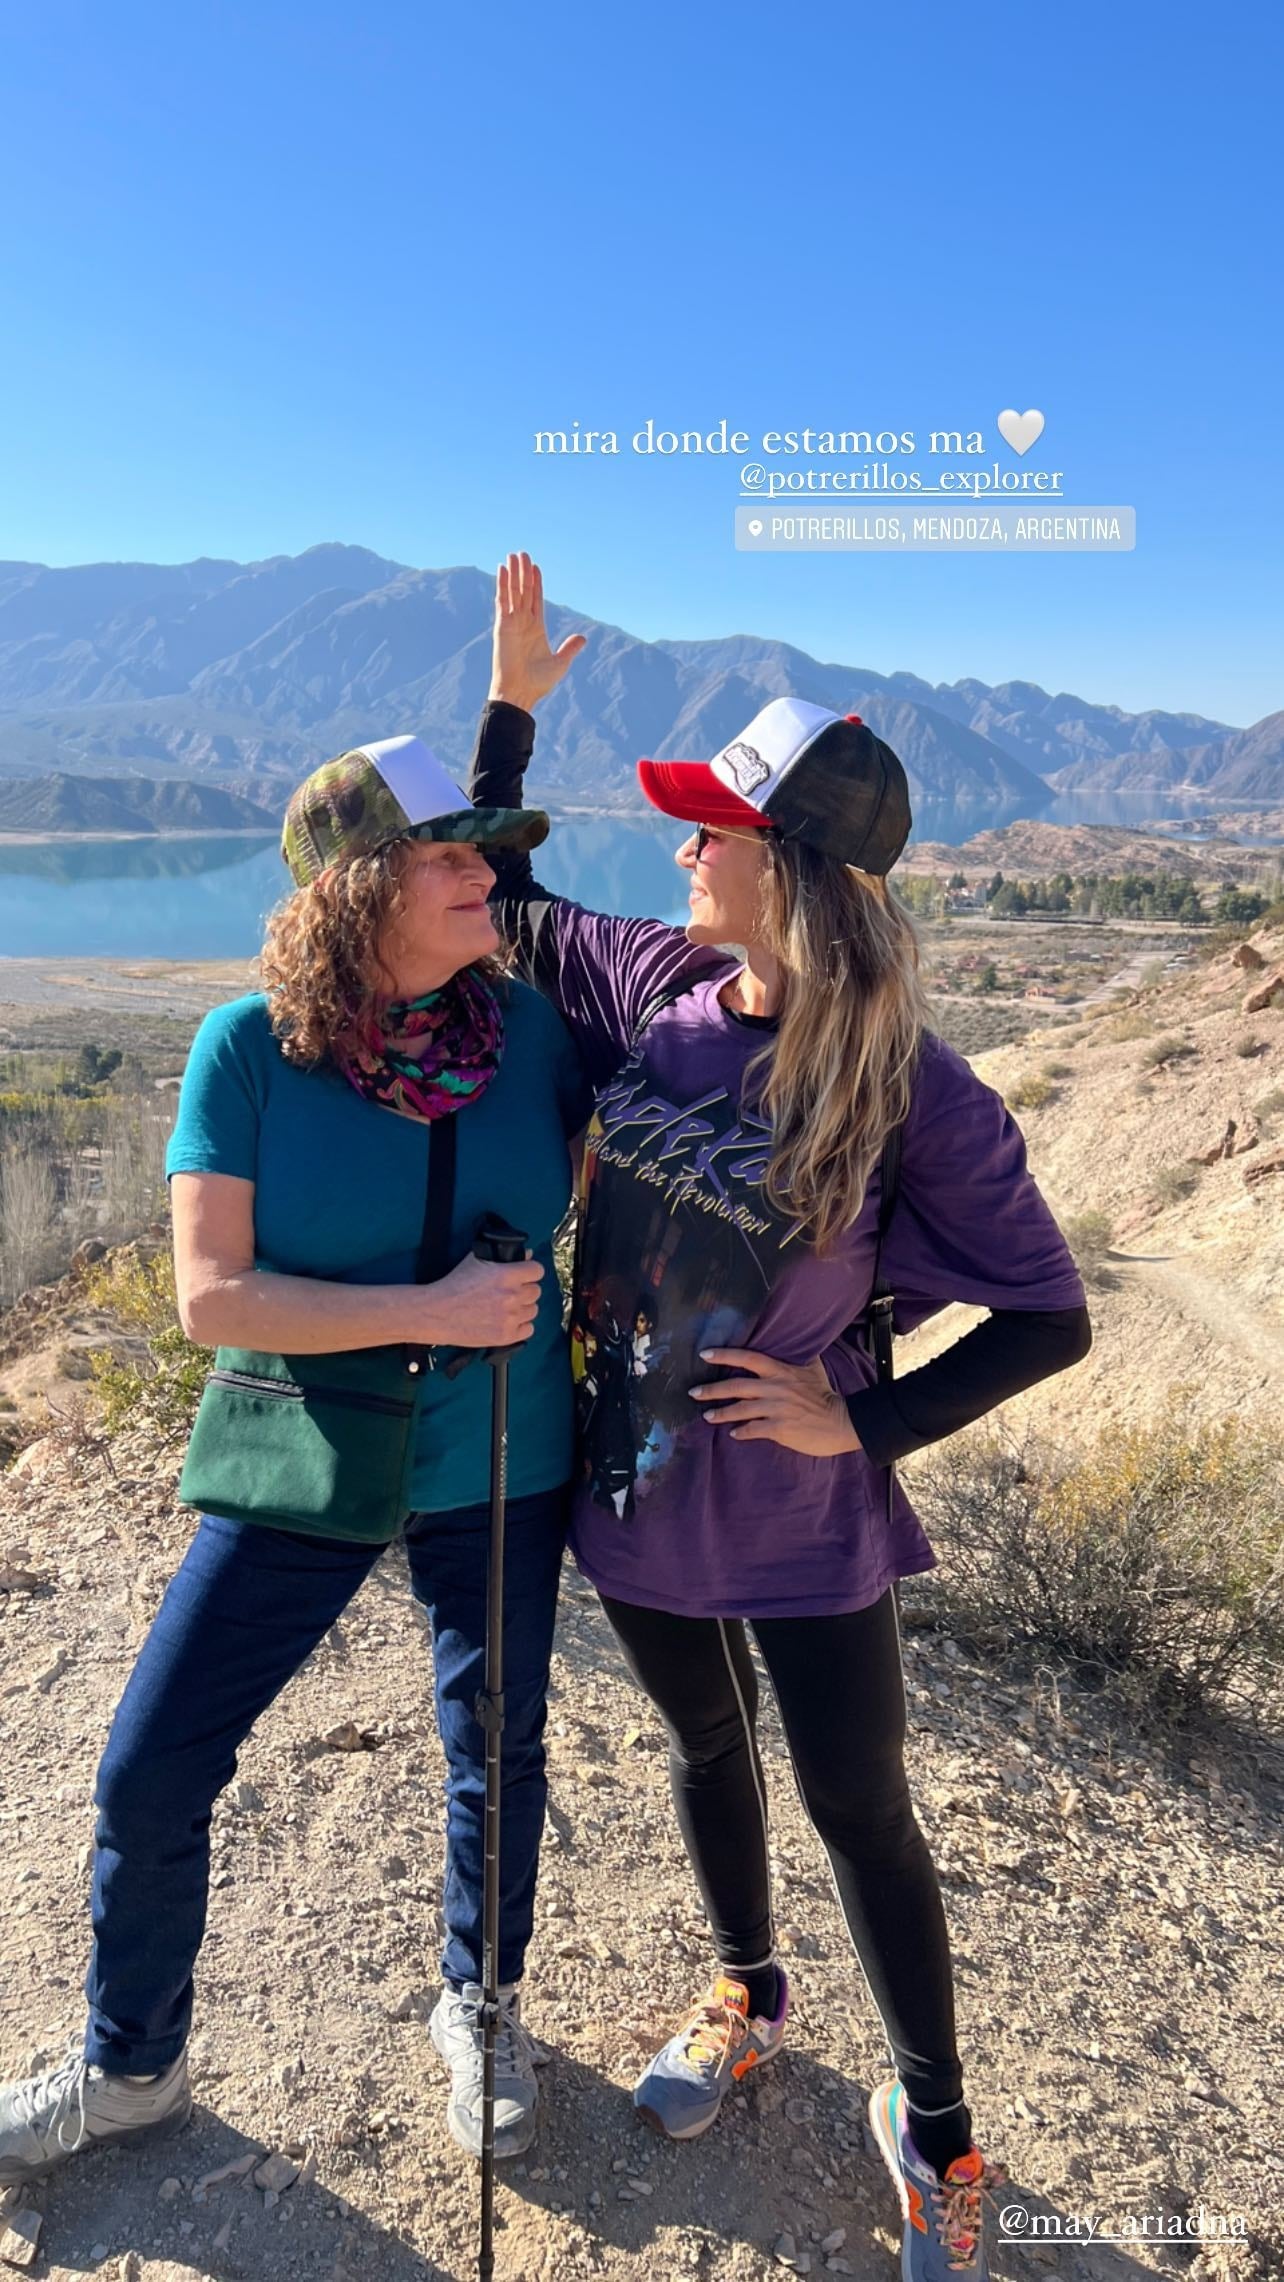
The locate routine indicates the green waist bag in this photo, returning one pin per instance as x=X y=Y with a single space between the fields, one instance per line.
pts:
x=323 y=1444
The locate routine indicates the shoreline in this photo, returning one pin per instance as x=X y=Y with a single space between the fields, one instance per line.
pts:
x=1183 y=832
x=13 y=839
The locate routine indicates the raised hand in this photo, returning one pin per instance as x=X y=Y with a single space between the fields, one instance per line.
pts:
x=523 y=667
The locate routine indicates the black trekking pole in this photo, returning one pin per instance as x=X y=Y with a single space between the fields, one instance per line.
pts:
x=495 y=1241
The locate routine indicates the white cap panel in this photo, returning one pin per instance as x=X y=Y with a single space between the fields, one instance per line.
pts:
x=754 y=762
x=415 y=777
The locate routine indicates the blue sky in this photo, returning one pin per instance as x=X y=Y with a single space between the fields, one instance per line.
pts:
x=282 y=275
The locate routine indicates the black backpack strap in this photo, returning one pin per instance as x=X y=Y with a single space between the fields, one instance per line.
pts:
x=677 y=987
x=877 y=1319
x=882 y=1300
x=433 y=1258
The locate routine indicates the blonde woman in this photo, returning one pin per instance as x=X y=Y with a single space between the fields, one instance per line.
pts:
x=733 y=1461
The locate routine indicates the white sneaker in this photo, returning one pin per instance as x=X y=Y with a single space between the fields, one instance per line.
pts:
x=46 y=2119
x=456 y=2032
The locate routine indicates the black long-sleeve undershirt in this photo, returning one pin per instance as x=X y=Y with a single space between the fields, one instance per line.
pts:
x=1013 y=1348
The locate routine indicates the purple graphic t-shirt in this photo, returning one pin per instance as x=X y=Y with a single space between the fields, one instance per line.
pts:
x=680 y=1250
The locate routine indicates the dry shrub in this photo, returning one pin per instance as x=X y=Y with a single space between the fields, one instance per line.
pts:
x=73 y=1168
x=1033 y=1091
x=1090 y=1236
x=1131 y=1025
x=1171 y=1183
x=1155 y=1559
x=1164 y=1050
x=29 y=1244
x=165 y=1389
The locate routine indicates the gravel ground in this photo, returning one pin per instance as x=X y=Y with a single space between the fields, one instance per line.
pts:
x=1114 y=1912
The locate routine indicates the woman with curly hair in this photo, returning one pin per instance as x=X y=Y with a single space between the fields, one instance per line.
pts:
x=300 y=1169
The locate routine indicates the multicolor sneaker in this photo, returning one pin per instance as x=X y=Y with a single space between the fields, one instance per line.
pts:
x=682 y=2089
x=943 y=2214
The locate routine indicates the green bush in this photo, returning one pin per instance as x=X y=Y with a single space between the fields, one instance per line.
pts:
x=1030 y=1092
x=1242 y=907
x=1164 y=1050
x=164 y=1390
x=1156 y=1557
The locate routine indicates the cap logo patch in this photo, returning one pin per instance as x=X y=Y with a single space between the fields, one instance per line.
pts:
x=747 y=767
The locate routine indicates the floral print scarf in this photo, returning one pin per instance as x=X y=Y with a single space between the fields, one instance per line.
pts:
x=464 y=1025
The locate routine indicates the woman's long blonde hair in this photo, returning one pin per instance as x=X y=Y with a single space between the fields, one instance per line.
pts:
x=322 y=963
x=838 y=1074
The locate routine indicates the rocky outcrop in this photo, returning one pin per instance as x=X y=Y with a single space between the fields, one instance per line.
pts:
x=1261 y=998
x=1233 y=1143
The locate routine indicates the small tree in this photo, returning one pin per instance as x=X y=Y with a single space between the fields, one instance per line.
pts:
x=1240 y=906
x=94 y=1067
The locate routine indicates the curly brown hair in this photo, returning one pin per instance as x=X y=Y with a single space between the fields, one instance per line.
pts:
x=322 y=965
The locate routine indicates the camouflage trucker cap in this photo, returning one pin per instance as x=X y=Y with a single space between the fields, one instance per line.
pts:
x=391 y=791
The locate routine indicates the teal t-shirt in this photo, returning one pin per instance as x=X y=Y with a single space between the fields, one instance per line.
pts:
x=339 y=1188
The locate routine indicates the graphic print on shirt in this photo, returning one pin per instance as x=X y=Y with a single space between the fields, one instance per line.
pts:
x=679 y=1249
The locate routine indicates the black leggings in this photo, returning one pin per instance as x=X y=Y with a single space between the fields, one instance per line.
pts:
x=841 y=1694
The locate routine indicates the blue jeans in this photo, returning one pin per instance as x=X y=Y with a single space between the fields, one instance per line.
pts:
x=243 y=1612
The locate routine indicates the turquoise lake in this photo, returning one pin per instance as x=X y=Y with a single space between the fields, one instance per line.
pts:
x=207 y=898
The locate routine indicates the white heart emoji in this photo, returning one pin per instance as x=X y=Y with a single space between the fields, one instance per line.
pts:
x=755 y=529
x=1020 y=429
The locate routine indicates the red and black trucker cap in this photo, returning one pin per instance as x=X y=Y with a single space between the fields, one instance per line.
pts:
x=811 y=775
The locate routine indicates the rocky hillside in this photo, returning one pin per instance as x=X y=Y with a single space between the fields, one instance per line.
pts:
x=1028 y=849
x=1165 y=1116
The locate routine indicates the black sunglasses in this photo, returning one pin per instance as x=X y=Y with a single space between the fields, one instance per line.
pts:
x=705 y=832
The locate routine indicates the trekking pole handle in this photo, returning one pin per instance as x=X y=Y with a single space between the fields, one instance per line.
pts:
x=498 y=1240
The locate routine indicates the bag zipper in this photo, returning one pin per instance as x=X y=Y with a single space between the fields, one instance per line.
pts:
x=290 y=1391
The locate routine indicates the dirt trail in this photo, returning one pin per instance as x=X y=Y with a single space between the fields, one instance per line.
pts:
x=1220 y=1307
x=1117 y=1942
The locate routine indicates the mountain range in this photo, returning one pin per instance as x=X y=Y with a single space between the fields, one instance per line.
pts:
x=62 y=803
x=246 y=675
